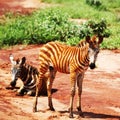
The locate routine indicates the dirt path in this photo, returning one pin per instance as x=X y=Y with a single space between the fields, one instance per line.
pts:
x=100 y=98
x=21 y=6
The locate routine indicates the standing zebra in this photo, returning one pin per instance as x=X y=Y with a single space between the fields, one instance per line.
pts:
x=73 y=60
x=28 y=74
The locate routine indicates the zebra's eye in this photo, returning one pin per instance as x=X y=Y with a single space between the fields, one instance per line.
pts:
x=19 y=69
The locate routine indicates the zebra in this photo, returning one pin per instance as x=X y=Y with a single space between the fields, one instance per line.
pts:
x=28 y=74
x=73 y=60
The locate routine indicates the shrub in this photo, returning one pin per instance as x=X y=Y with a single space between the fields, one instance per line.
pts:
x=99 y=28
x=41 y=27
x=95 y=3
x=48 y=25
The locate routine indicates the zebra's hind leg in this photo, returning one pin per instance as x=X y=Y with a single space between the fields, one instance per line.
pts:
x=22 y=91
x=38 y=86
x=35 y=104
x=51 y=77
x=31 y=93
x=49 y=87
x=79 y=85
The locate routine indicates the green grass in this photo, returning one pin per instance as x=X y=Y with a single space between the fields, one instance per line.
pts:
x=53 y=23
x=40 y=27
x=110 y=10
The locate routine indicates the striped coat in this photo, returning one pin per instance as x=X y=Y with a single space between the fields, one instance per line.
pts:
x=66 y=59
x=63 y=58
x=28 y=75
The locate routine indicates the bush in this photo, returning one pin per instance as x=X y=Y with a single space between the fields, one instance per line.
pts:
x=41 y=27
x=99 y=28
x=47 y=25
x=96 y=4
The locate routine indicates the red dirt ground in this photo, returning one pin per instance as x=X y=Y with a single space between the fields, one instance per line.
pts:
x=20 y=6
x=101 y=87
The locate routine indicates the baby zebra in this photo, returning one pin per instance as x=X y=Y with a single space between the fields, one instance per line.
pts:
x=28 y=74
x=73 y=60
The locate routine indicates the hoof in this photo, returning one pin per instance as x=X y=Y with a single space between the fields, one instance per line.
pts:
x=13 y=83
x=52 y=109
x=70 y=115
x=19 y=94
x=30 y=93
x=81 y=114
x=34 y=110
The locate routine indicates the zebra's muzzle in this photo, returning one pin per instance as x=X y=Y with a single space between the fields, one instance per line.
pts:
x=13 y=83
x=92 y=66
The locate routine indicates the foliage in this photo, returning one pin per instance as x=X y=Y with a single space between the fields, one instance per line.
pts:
x=96 y=3
x=108 y=10
x=45 y=26
x=99 y=28
x=91 y=27
x=41 y=27
x=54 y=24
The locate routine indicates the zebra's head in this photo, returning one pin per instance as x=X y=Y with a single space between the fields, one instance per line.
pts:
x=94 y=48
x=16 y=69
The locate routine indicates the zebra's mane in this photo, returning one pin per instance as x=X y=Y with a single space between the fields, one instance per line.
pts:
x=82 y=43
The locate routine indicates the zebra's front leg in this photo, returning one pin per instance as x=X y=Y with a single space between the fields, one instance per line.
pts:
x=21 y=91
x=73 y=85
x=71 y=102
x=79 y=85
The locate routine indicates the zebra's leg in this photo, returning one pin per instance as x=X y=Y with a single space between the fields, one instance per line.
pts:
x=32 y=86
x=42 y=70
x=35 y=102
x=79 y=85
x=38 y=86
x=50 y=80
x=31 y=92
x=21 y=91
x=49 y=87
x=73 y=85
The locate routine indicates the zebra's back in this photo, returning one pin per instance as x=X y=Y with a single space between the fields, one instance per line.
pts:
x=62 y=57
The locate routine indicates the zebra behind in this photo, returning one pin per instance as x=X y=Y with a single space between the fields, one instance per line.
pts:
x=28 y=74
x=73 y=60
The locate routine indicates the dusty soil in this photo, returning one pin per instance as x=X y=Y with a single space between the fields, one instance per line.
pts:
x=100 y=97
x=21 y=6
x=101 y=87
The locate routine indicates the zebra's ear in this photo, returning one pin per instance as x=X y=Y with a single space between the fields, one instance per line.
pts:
x=12 y=59
x=100 y=39
x=23 y=60
x=87 y=39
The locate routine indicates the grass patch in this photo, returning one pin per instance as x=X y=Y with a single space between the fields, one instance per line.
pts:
x=87 y=9
x=53 y=23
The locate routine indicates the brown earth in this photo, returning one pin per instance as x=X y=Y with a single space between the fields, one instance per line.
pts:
x=20 y=6
x=100 y=97
x=101 y=87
